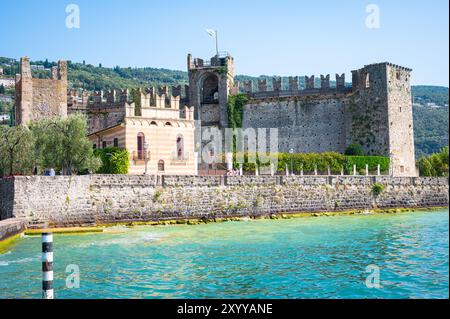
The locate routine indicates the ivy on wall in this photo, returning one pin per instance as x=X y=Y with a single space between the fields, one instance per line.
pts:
x=236 y=109
x=115 y=160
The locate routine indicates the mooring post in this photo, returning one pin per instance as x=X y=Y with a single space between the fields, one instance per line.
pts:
x=367 y=169
x=329 y=170
x=378 y=170
x=315 y=169
x=354 y=169
x=287 y=170
x=272 y=169
x=47 y=266
x=241 y=170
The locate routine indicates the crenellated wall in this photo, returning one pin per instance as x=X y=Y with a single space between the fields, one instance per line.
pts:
x=376 y=113
x=105 y=109
x=262 y=90
x=96 y=199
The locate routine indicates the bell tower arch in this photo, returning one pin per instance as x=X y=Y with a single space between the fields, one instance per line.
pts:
x=210 y=83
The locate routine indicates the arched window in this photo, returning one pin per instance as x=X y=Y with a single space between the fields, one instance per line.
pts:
x=153 y=123
x=161 y=165
x=140 y=145
x=180 y=147
x=210 y=88
x=168 y=124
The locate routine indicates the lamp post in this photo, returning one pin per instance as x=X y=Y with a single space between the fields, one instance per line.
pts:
x=145 y=156
x=391 y=169
x=291 y=151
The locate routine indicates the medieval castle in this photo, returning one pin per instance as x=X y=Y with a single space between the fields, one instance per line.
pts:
x=375 y=112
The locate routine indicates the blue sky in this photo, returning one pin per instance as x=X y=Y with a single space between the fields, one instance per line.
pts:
x=273 y=37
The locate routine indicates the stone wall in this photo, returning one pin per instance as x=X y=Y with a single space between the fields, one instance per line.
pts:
x=6 y=198
x=305 y=123
x=96 y=199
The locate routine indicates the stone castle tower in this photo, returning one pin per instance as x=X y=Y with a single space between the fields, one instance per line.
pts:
x=375 y=111
x=380 y=114
x=40 y=98
x=210 y=83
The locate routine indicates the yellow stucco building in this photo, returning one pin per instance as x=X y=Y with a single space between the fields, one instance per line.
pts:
x=154 y=133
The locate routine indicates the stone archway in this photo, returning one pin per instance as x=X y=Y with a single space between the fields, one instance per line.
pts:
x=210 y=89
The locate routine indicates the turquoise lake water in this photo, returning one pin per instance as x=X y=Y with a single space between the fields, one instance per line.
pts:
x=320 y=257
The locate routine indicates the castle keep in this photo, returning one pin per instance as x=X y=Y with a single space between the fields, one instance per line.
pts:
x=40 y=98
x=375 y=111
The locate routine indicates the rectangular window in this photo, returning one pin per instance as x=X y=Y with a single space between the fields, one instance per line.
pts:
x=104 y=144
x=116 y=142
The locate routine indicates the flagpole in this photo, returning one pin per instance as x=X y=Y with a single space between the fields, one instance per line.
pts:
x=217 y=45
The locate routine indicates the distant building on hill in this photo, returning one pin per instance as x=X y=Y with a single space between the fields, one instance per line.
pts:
x=4 y=117
x=5 y=98
x=7 y=82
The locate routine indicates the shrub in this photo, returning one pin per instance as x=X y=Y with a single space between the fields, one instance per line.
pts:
x=361 y=162
x=309 y=161
x=114 y=160
x=354 y=149
x=377 y=188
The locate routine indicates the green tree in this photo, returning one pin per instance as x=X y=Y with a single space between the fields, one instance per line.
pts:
x=426 y=168
x=63 y=144
x=16 y=150
x=354 y=149
x=436 y=164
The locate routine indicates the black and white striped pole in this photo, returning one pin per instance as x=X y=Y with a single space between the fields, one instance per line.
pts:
x=47 y=266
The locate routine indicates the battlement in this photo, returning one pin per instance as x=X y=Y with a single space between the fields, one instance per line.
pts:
x=219 y=60
x=161 y=97
x=293 y=87
x=378 y=74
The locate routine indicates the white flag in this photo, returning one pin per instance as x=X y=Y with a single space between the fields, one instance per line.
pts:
x=211 y=32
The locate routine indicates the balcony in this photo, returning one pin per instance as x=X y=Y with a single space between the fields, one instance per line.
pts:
x=180 y=159
x=141 y=156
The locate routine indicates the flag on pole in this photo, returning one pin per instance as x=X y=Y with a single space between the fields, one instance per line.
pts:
x=211 y=32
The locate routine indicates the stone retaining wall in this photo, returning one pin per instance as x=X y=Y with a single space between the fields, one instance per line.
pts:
x=95 y=199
